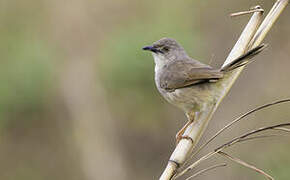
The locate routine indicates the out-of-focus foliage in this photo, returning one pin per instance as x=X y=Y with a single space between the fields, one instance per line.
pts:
x=77 y=93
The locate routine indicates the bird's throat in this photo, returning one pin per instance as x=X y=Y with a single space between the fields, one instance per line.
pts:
x=160 y=61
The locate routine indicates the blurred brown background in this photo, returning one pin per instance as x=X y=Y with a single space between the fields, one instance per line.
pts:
x=77 y=94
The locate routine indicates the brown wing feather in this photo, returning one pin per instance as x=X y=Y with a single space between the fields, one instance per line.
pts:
x=181 y=74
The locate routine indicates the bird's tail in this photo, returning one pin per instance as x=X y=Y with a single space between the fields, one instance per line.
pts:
x=244 y=59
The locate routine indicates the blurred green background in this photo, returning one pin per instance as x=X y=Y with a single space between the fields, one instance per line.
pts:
x=77 y=94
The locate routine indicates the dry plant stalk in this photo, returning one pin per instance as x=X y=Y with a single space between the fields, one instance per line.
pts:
x=238 y=120
x=229 y=125
x=239 y=161
x=244 y=137
x=252 y=10
x=251 y=37
x=207 y=169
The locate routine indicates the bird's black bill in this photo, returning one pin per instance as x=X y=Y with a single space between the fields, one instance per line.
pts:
x=151 y=48
x=147 y=48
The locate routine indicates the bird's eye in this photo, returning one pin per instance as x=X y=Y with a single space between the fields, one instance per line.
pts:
x=165 y=48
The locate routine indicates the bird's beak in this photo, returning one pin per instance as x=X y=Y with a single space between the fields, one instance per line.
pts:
x=150 y=48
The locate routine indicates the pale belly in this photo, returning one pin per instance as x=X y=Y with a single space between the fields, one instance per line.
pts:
x=188 y=99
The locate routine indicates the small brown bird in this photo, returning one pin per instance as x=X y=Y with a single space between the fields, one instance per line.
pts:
x=186 y=82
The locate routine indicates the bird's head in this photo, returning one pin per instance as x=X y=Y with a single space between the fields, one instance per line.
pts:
x=165 y=50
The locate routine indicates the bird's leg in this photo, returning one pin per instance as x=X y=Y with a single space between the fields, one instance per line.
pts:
x=179 y=135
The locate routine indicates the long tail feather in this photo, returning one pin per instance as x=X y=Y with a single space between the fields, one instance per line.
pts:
x=244 y=59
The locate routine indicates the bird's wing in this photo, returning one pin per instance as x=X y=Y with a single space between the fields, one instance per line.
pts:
x=180 y=74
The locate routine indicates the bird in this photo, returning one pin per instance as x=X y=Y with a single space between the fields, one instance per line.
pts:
x=186 y=82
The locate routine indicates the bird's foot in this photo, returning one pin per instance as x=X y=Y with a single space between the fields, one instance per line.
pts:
x=179 y=136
